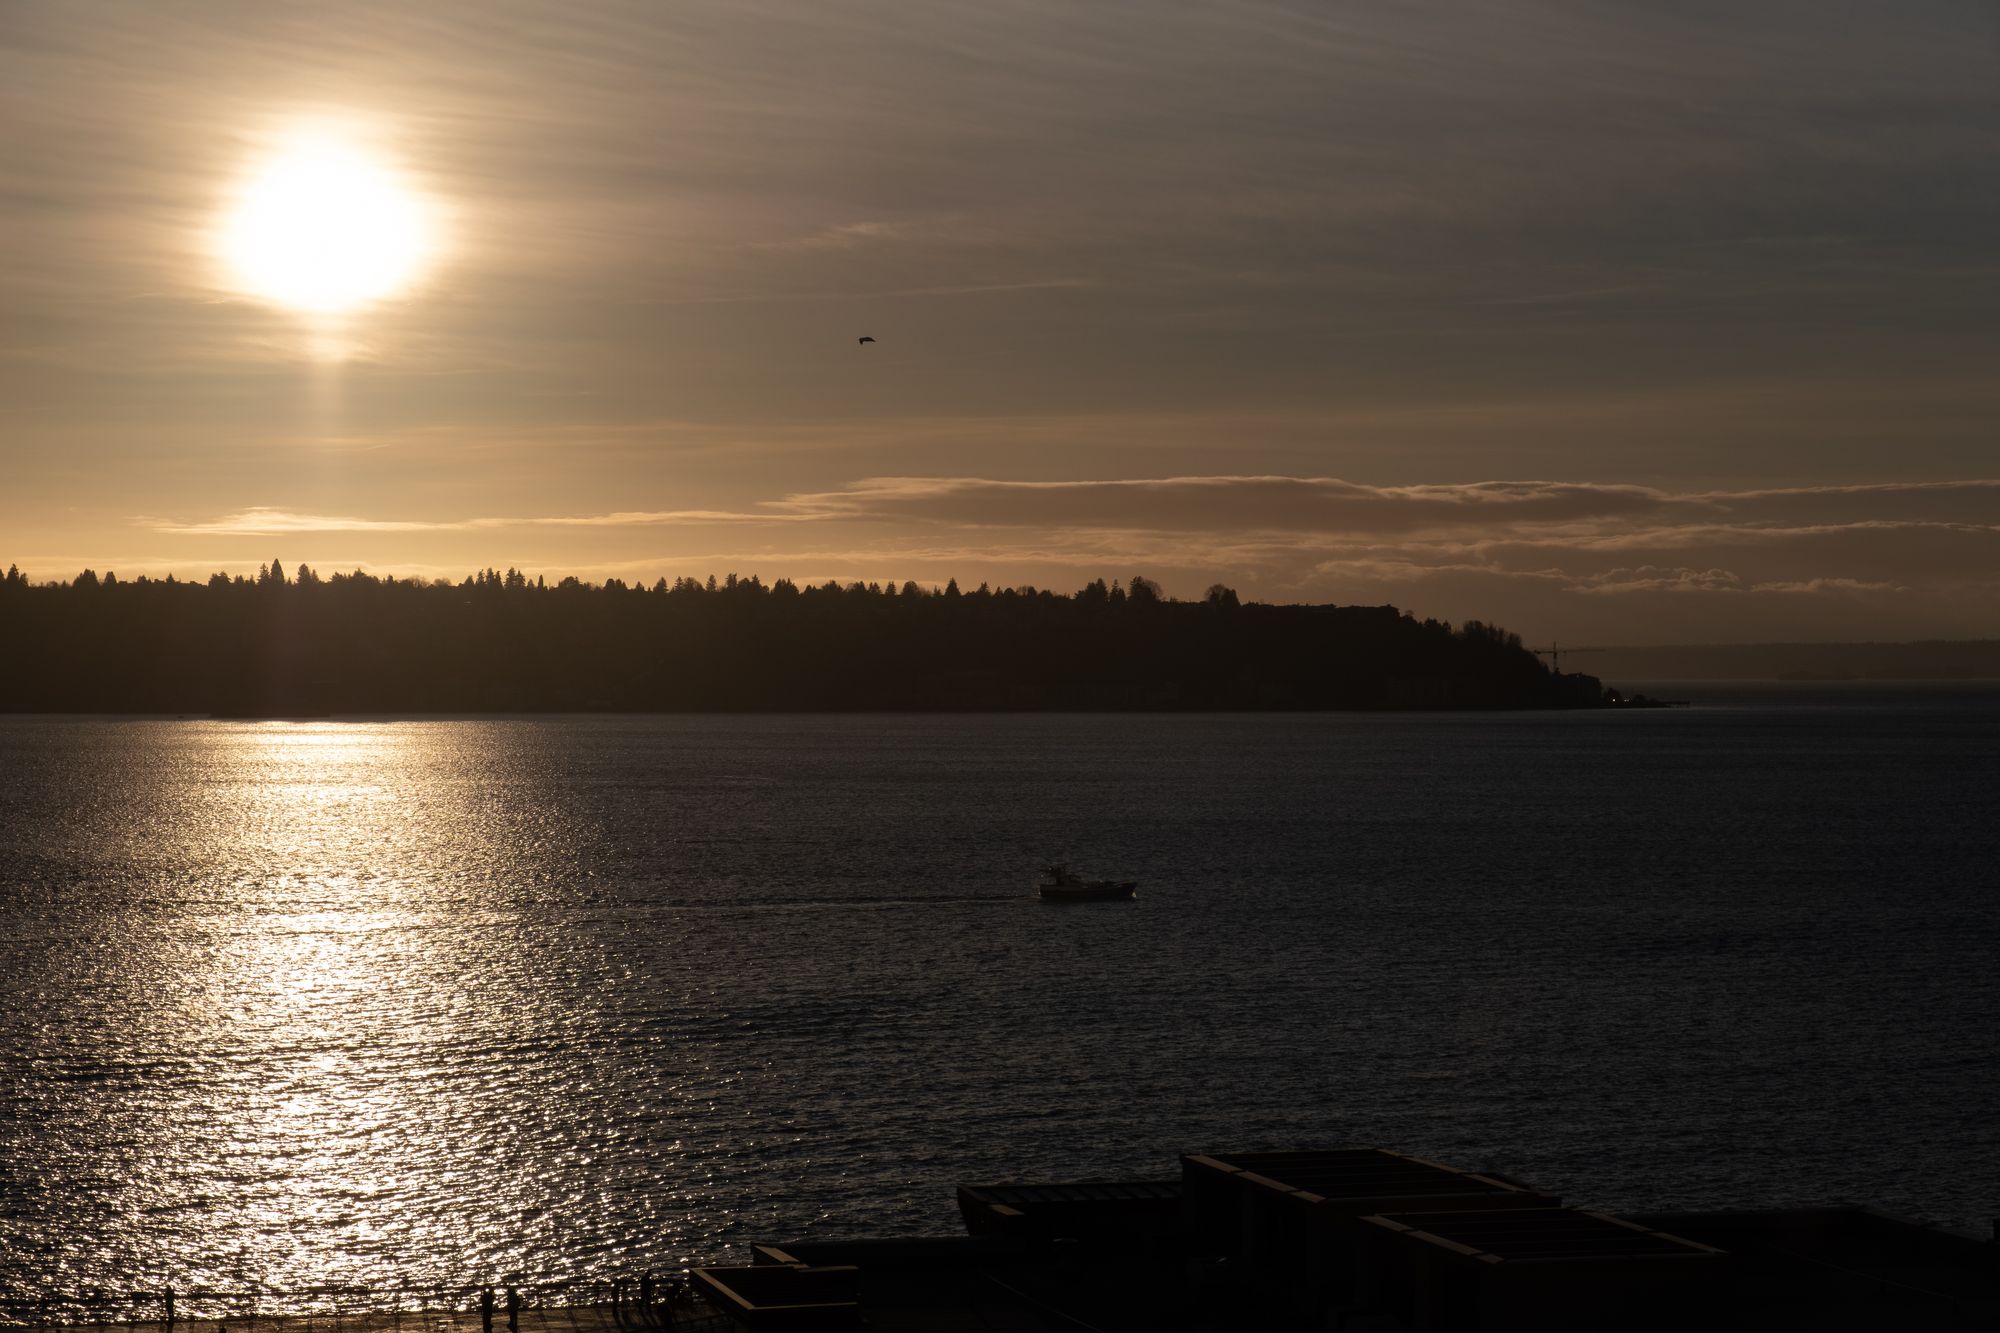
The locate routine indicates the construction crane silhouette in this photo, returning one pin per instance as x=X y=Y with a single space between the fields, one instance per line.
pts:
x=1554 y=652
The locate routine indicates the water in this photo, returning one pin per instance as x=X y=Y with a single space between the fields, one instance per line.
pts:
x=407 y=1002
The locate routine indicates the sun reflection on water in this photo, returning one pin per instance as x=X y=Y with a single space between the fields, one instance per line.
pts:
x=362 y=1077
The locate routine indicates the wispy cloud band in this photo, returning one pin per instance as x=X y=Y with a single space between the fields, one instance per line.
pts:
x=1482 y=547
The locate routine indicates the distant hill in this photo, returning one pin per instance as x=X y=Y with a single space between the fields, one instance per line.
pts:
x=1962 y=659
x=353 y=643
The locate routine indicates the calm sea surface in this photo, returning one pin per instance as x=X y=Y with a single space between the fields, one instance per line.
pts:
x=400 y=1002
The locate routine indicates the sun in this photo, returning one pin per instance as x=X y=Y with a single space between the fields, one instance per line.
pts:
x=323 y=226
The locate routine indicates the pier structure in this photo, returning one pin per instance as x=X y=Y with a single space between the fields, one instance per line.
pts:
x=1366 y=1240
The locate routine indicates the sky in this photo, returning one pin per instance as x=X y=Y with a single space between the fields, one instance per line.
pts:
x=1610 y=322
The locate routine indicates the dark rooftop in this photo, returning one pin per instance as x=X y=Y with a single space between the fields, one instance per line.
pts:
x=1356 y=1173
x=1540 y=1235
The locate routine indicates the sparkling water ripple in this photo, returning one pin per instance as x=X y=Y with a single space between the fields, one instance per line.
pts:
x=420 y=1002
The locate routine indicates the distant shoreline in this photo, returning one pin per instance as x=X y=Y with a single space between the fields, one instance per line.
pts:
x=308 y=646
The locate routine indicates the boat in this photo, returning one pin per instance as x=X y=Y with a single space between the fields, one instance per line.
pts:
x=1065 y=886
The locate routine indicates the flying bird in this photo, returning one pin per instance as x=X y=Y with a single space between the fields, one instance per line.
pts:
x=864 y=339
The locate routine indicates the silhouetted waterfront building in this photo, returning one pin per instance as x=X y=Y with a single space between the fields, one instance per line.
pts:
x=1363 y=1239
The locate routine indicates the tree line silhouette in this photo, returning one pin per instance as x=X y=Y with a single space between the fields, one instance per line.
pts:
x=503 y=642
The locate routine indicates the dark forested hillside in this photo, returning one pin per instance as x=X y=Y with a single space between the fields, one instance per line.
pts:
x=505 y=643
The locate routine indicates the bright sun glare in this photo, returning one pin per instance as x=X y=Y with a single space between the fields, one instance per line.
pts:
x=324 y=227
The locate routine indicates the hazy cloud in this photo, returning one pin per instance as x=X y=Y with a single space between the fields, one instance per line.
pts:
x=278 y=522
x=1536 y=551
x=1221 y=502
x=1727 y=269
x=1576 y=513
